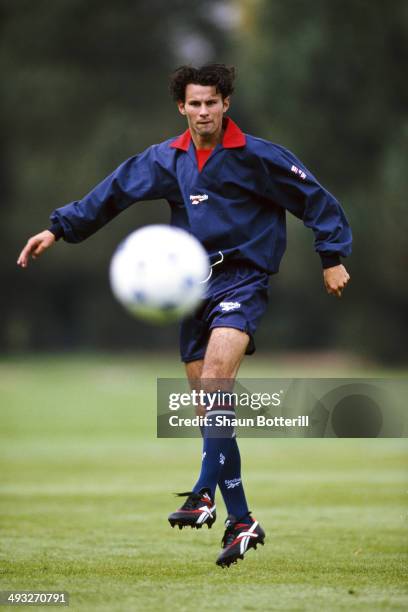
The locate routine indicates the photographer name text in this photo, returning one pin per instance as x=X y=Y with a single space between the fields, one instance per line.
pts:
x=228 y=421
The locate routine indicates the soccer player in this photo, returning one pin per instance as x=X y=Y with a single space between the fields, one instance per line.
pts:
x=230 y=190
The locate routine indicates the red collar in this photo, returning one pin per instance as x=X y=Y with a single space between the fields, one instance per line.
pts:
x=233 y=137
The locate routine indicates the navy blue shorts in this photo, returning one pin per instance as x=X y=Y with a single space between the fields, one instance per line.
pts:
x=237 y=297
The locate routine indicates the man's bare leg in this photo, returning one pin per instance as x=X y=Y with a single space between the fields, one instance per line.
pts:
x=221 y=458
x=225 y=351
x=217 y=371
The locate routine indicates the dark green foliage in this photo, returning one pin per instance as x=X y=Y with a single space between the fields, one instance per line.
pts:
x=87 y=87
x=327 y=80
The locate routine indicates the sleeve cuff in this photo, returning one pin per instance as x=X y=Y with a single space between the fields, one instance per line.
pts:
x=57 y=230
x=329 y=260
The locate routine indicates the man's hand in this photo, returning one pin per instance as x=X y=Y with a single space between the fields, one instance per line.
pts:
x=335 y=279
x=35 y=247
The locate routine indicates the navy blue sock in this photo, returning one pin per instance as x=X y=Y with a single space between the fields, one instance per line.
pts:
x=230 y=483
x=215 y=453
x=217 y=442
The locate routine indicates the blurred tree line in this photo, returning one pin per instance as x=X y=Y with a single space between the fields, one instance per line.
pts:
x=85 y=87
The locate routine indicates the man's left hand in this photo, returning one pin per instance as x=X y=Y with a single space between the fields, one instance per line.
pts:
x=335 y=279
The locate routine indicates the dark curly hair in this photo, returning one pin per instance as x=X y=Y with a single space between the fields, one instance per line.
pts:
x=219 y=75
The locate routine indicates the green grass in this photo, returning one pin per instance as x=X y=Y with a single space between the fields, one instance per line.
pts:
x=86 y=487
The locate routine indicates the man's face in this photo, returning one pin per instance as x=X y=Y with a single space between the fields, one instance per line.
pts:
x=204 y=109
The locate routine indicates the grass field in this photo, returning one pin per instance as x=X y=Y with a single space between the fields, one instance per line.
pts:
x=86 y=488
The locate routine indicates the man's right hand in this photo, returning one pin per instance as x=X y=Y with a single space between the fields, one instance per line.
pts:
x=35 y=247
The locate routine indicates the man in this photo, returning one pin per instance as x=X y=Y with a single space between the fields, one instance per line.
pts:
x=231 y=191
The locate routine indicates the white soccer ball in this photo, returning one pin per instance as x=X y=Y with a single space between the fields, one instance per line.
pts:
x=157 y=273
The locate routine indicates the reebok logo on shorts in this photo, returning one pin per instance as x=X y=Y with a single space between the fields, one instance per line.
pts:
x=197 y=199
x=227 y=306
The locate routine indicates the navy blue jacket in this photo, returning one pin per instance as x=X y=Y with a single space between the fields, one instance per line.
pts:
x=235 y=205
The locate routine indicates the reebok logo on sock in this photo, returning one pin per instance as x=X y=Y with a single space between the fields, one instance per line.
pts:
x=234 y=482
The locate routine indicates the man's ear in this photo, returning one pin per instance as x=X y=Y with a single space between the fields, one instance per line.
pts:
x=226 y=103
x=180 y=106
